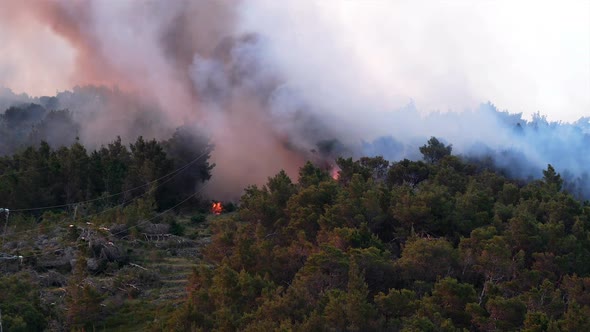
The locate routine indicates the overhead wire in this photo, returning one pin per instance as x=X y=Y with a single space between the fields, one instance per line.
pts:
x=112 y=207
x=129 y=227
x=111 y=195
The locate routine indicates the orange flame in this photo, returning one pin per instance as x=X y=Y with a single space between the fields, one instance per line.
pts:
x=216 y=208
x=335 y=173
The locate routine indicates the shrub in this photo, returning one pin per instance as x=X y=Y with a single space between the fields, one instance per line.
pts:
x=199 y=218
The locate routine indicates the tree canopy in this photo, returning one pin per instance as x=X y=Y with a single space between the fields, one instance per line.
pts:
x=442 y=244
x=406 y=246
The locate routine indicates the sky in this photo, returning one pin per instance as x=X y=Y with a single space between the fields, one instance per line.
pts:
x=523 y=56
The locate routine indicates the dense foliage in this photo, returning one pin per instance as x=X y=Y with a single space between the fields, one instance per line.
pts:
x=167 y=171
x=433 y=245
x=20 y=304
x=29 y=124
x=442 y=244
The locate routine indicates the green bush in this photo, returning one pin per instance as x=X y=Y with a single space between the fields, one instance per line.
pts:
x=176 y=228
x=199 y=218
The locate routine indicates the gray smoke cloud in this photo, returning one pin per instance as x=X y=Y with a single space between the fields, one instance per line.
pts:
x=390 y=75
x=145 y=68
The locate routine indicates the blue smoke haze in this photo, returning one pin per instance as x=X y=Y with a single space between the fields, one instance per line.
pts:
x=520 y=148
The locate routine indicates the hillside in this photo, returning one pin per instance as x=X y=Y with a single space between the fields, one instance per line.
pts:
x=439 y=245
x=81 y=275
x=294 y=166
x=442 y=244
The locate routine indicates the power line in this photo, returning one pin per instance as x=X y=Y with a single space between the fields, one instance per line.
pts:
x=137 y=225
x=107 y=209
x=112 y=195
x=163 y=212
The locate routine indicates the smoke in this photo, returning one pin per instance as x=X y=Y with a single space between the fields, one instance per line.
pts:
x=163 y=64
x=269 y=81
x=392 y=75
x=380 y=56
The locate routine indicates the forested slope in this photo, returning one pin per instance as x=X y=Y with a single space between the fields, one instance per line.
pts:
x=439 y=245
x=100 y=239
x=443 y=244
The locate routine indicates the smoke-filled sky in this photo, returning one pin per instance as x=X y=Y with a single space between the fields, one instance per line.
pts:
x=524 y=56
x=269 y=79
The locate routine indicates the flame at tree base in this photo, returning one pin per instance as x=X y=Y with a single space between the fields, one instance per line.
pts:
x=335 y=172
x=216 y=208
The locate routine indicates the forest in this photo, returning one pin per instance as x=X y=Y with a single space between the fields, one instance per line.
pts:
x=438 y=244
x=433 y=245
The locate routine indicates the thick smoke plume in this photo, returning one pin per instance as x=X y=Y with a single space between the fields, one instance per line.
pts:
x=270 y=82
x=171 y=64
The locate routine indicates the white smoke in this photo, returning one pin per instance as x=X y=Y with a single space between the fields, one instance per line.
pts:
x=359 y=56
x=392 y=74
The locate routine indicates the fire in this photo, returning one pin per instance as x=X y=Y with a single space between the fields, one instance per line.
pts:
x=216 y=208
x=335 y=173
